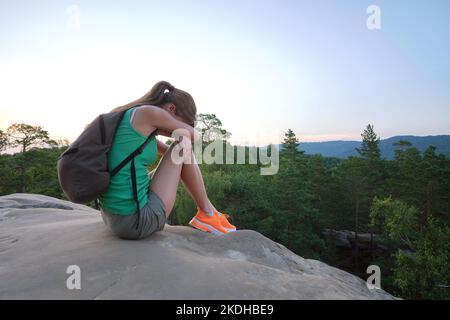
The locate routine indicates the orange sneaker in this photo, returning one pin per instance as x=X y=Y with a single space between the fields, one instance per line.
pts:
x=224 y=221
x=207 y=223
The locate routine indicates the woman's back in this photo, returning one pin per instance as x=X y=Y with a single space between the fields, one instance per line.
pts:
x=118 y=198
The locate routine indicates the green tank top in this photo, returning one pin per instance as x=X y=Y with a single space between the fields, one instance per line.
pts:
x=118 y=198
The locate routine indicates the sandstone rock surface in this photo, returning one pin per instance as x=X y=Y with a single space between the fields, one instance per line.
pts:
x=40 y=237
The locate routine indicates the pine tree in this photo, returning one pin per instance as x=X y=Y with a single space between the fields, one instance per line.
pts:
x=290 y=145
x=370 y=152
x=402 y=146
x=295 y=217
x=370 y=145
x=373 y=178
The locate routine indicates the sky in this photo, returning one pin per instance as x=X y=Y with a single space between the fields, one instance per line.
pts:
x=262 y=67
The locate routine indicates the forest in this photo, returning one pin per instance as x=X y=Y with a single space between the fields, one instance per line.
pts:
x=350 y=213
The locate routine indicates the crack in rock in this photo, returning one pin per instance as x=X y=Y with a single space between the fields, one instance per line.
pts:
x=39 y=205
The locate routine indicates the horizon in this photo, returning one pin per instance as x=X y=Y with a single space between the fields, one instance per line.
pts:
x=17 y=149
x=316 y=68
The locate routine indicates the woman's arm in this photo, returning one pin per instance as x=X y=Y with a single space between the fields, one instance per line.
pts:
x=162 y=147
x=166 y=124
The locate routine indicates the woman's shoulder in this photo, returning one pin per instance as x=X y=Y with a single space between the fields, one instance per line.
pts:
x=148 y=106
x=144 y=118
x=150 y=111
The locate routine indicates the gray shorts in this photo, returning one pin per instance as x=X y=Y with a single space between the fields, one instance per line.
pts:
x=152 y=218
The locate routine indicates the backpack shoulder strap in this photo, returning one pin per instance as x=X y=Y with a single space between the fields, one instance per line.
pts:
x=135 y=194
x=132 y=155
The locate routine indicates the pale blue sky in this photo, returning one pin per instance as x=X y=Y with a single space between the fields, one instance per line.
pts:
x=261 y=66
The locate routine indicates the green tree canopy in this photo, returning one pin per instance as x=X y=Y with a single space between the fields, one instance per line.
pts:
x=401 y=146
x=3 y=140
x=421 y=268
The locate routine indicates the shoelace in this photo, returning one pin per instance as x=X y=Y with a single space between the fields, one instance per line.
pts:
x=221 y=213
x=226 y=215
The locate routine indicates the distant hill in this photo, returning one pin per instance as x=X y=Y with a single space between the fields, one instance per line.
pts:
x=344 y=149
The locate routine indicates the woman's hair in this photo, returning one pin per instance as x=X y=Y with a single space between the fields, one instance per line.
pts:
x=157 y=96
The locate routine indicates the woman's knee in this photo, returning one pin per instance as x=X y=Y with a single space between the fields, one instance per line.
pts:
x=180 y=152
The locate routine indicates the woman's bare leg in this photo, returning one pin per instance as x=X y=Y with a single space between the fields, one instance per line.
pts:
x=165 y=179
x=194 y=185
